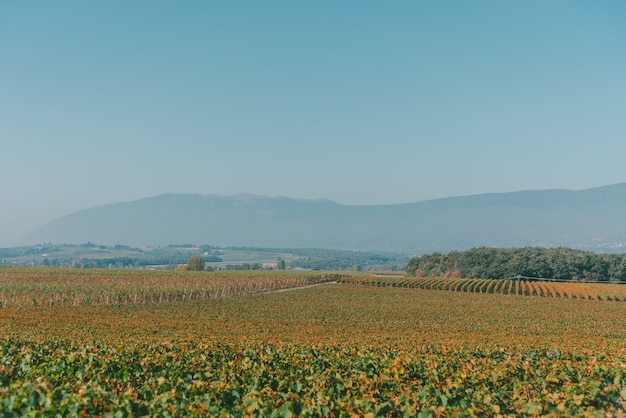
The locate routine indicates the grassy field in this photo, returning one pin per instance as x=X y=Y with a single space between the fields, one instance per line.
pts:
x=327 y=350
x=251 y=257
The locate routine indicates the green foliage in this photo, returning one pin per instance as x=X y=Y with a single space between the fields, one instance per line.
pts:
x=498 y=263
x=196 y=263
x=186 y=379
x=321 y=259
x=90 y=255
x=244 y=266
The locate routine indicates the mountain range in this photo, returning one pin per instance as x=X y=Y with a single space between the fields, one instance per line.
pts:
x=592 y=219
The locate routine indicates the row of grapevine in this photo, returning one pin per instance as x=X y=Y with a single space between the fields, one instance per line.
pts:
x=26 y=288
x=506 y=287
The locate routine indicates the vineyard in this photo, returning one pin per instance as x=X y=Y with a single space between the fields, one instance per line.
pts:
x=514 y=286
x=45 y=287
x=375 y=349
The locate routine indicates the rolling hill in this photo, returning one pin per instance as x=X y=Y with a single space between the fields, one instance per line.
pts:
x=589 y=219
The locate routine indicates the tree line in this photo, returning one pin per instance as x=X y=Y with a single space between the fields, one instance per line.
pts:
x=500 y=263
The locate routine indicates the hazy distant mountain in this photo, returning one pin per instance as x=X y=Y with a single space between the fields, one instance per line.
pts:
x=590 y=219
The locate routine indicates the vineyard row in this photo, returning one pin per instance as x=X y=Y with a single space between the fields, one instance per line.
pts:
x=521 y=287
x=94 y=293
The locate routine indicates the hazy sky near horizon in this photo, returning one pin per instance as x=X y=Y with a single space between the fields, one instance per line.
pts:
x=362 y=102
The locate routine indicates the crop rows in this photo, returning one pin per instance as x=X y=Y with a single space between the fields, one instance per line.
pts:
x=590 y=291
x=333 y=350
x=286 y=380
x=22 y=287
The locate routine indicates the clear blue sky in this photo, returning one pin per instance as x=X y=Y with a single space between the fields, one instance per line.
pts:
x=362 y=102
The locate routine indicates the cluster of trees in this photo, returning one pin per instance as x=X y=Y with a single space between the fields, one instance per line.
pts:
x=52 y=248
x=347 y=260
x=118 y=262
x=499 y=263
x=322 y=259
x=197 y=263
x=123 y=256
x=244 y=266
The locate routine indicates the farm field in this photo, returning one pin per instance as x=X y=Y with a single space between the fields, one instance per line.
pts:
x=49 y=287
x=328 y=350
x=521 y=287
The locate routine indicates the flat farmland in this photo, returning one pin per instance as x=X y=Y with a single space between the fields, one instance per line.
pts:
x=327 y=350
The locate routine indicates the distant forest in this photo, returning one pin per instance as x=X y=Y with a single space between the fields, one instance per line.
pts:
x=122 y=256
x=324 y=259
x=500 y=263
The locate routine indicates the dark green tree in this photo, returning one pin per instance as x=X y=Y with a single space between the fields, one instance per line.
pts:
x=500 y=263
x=280 y=265
x=195 y=263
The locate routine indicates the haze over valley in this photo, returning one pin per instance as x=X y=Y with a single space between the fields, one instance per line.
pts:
x=589 y=219
x=369 y=105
